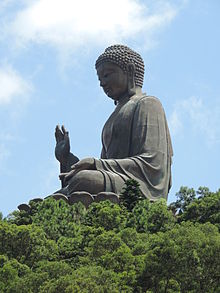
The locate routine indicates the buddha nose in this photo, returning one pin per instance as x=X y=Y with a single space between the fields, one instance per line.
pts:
x=102 y=83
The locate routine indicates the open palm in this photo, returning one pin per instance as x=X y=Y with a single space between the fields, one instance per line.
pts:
x=62 y=149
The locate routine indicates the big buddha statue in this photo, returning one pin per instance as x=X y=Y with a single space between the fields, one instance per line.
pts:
x=136 y=142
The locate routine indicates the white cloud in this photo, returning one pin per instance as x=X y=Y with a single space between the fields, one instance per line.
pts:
x=193 y=114
x=12 y=86
x=175 y=123
x=70 y=24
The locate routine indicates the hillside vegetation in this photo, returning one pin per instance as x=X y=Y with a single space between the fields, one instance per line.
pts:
x=136 y=246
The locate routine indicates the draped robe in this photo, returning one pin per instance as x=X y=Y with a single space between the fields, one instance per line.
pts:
x=137 y=145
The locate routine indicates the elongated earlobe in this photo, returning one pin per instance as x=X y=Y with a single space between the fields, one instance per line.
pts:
x=131 y=80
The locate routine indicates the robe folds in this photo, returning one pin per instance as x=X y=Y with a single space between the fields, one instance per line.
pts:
x=137 y=145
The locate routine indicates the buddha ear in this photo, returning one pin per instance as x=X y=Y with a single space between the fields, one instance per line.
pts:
x=131 y=80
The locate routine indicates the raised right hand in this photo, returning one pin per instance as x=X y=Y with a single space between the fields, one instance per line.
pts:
x=62 y=149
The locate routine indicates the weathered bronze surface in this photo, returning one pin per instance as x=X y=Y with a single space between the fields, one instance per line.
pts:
x=135 y=139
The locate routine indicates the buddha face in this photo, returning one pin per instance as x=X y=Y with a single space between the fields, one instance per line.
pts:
x=113 y=80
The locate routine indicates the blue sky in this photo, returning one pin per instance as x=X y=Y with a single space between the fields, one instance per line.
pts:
x=47 y=53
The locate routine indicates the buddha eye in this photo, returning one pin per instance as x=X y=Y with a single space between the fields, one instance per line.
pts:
x=107 y=74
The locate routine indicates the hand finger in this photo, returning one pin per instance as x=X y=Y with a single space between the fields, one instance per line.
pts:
x=63 y=129
x=57 y=130
x=66 y=137
x=58 y=134
x=62 y=175
x=77 y=166
x=70 y=174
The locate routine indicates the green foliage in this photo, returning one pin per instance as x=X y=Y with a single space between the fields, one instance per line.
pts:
x=137 y=246
x=185 y=196
x=28 y=244
x=151 y=217
x=11 y=274
x=137 y=217
x=184 y=254
x=59 y=218
x=197 y=206
x=131 y=194
x=159 y=218
x=87 y=279
x=106 y=215
x=204 y=209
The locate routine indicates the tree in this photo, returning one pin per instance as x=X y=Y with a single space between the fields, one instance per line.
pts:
x=87 y=279
x=131 y=194
x=28 y=244
x=107 y=215
x=159 y=218
x=139 y=246
x=187 y=255
x=185 y=196
x=204 y=209
x=56 y=217
x=11 y=274
x=151 y=217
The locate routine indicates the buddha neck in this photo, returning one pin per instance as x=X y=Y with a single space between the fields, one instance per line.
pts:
x=127 y=96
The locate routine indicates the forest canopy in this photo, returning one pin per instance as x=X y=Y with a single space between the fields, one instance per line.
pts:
x=136 y=246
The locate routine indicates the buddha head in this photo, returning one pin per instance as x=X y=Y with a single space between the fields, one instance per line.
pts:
x=120 y=71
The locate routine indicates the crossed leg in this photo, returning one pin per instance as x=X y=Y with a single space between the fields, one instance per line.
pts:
x=91 y=181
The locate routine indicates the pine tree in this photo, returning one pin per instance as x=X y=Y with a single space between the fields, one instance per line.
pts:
x=131 y=194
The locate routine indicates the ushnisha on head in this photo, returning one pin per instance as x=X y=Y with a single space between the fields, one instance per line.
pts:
x=125 y=58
